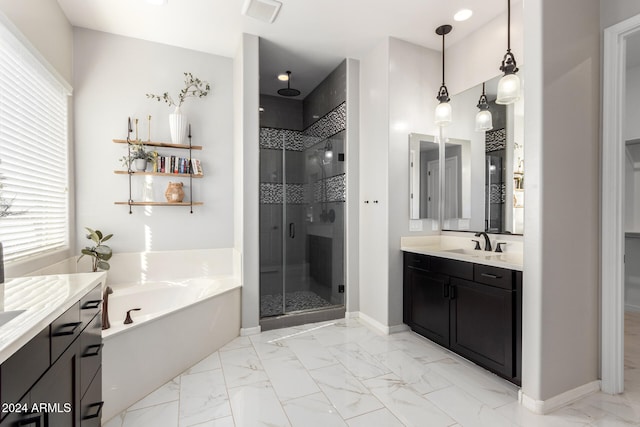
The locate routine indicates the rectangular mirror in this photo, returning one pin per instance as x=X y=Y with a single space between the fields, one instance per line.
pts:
x=424 y=177
x=483 y=179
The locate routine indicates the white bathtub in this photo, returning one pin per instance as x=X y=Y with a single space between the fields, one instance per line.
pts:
x=181 y=321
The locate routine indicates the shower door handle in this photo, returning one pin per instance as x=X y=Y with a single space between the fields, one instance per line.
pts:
x=292 y=230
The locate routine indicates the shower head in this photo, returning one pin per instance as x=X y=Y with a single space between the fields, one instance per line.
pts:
x=287 y=91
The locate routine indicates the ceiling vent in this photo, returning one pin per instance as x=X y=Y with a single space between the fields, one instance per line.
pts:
x=262 y=10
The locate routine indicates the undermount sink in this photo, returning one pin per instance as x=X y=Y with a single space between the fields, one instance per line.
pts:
x=7 y=316
x=469 y=252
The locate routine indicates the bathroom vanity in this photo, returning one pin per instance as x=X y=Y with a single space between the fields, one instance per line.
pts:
x=50 y=350
x=467 y=301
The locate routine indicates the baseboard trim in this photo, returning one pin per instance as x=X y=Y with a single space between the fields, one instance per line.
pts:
x=545 y=406
x=383 y=329
x=245 y=332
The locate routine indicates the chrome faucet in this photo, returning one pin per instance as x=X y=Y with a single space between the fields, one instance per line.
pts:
x=105 y=308
x=487 y=242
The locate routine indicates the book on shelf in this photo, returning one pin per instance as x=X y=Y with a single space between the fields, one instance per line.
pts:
x=196 y=167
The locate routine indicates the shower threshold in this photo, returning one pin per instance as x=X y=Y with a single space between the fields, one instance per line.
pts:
x=301 y=317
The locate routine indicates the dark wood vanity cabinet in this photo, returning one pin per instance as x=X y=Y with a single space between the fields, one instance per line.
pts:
x=471 y=309
x=54 y=380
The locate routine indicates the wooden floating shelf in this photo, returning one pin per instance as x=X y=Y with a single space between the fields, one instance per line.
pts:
x=159 y=203
x=161 y=144
x=178 y=175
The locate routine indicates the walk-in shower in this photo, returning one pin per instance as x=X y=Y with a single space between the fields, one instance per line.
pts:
x=302 y=197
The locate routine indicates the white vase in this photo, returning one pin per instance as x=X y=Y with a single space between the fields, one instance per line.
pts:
x=177 y=126
x=140 y=164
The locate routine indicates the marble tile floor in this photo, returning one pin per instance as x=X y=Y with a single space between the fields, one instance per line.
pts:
x=342 y=373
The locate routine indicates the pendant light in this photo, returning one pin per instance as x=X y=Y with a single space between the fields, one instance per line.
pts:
x=443 y=110
x=484 y=121
x=509 y=85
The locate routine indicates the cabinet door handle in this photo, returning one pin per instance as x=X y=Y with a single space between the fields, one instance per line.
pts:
x=97 y=413
x=445 y=290
x=292 y=230
x=452 y=292
x=491 y=276
x=32 y=420
x=90 y=305
x=71 y=331
x=92 y=350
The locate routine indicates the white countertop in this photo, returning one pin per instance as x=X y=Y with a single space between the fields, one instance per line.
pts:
x=442 y=246
x=43 y=298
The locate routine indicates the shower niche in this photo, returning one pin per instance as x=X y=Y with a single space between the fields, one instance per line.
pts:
x=302 y=199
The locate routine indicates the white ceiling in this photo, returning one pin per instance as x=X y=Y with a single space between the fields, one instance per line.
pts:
x=309 y=37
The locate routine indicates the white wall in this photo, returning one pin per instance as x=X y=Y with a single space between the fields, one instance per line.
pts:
x=614 y=11
x=112 y=74
x=47 y=28
x=484 y=48
x=374 y=151
x=246 y=161
x=412 y=102
x=560 y=298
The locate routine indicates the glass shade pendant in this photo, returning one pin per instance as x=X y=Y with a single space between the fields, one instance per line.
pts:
x=509 y=84
x=484 y=121
x=443 y=109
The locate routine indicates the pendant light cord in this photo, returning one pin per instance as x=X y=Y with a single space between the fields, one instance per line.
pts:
x=508 y=25
x=443 y=59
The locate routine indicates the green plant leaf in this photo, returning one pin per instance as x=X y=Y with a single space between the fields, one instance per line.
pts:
x=87 y=251
x=99 y=233
x=103 y=265
x=103 y=249
x=107 y=237
x=106 y=257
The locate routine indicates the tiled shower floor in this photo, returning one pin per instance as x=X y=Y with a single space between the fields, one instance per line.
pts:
x=271 y=305
x=342 y=373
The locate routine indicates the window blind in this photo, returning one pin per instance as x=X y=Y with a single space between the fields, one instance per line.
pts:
x=33 y=152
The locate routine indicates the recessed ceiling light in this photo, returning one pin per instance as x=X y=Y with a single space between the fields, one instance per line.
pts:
x=462 y=15
x=283 y=77
x=157 y=2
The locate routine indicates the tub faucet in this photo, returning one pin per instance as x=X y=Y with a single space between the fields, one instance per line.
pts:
x=128 y=319
x=487 y=242
x=105 y=308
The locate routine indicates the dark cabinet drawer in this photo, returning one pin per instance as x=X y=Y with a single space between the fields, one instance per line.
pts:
x=91 y=403
x=54 y=395
x=90 y=353
x=452 y=267
x=493 y=276
x=90 y=305
x=20 y=371
x=418 y=261
x=64 y=330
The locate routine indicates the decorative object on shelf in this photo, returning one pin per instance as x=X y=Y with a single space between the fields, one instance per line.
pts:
x=175 y=192
x=443 y=110
x=194 y=87
x=138 y=156
x=99 y=252
x=484 y=121
x=509 y=84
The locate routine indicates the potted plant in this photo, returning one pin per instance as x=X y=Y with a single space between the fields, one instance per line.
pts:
x=138 y=157
x=193 y=88
x=100 y=252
